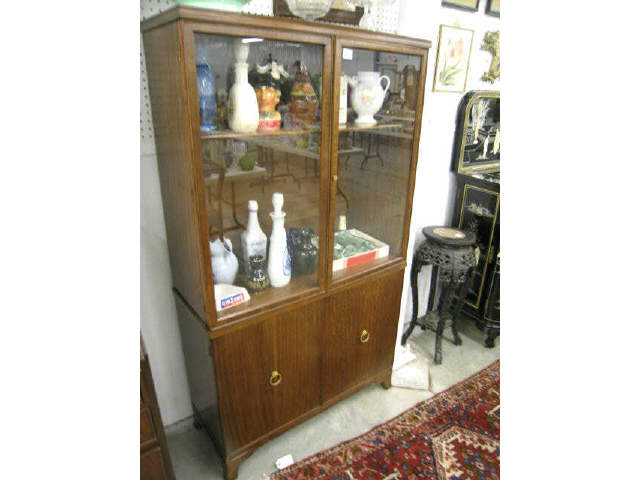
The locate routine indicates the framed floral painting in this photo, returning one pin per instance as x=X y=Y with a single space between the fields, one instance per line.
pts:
x=452 y=62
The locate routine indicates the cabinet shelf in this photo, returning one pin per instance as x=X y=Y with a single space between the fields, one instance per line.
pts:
x=227 y=134
x=300 y=286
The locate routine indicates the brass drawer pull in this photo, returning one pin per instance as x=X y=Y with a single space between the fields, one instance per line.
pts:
x=275 y=379
x=364 y=336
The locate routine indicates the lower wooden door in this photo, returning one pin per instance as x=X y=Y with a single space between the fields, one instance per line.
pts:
x=268 y=373
x=360 y=333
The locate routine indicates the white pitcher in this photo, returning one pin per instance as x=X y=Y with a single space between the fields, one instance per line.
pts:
x=223 y=261
x=367 y=95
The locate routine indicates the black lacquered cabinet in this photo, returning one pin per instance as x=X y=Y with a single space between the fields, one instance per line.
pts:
x=476 y=163
x=478 y=210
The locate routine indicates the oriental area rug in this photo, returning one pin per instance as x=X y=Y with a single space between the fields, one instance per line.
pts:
x=454 y=435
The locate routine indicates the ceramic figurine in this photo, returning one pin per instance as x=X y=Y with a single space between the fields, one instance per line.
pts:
x=268 y=80
x=279 y=267
x=206 y=95
x=254 y=240
x=243 y=111
x=257 y=278
x=367 y=95
x=268 y=97
x=223 y=262
x=303 y=102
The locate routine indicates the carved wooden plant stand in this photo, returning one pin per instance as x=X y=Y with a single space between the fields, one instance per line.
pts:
x=452 y=254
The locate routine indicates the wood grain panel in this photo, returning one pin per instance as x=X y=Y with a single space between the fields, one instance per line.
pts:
x=373 y=307
x=172 y=135
x=201 y=370
x=152 y=466
x=284 y=24
x=147 y=432
x=155 y=462
x=288 y=343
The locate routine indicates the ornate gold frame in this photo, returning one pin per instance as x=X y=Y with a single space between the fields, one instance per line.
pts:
x=485 y=167
x=493 y=229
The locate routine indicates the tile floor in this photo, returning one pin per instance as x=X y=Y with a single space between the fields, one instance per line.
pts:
x=194 y=456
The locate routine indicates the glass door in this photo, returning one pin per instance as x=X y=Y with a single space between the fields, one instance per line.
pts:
x=260 y=106
x=378 y=99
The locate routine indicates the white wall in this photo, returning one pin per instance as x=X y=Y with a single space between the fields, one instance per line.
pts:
x=158 y=320
x=435 y=185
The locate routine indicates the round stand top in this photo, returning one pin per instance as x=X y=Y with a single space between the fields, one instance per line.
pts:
x=452 y=237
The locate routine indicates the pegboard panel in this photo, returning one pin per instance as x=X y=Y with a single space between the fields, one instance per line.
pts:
x=385 y=20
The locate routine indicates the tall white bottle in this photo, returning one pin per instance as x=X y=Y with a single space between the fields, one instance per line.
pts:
x=243 y=104
x=254 y=240
x=279 y=266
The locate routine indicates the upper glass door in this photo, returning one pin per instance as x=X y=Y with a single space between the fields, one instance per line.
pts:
x=260 y=102
x=377 y=111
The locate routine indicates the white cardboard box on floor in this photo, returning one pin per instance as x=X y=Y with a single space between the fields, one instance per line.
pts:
x=408 y=372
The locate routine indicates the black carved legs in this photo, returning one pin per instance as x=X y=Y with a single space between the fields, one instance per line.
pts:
x=432 y=290
x=415 y=269
x=462 y=295
x=443 y=308
x=491 y=337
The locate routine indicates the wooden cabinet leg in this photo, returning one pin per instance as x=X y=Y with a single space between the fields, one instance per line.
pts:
x=386 y=382
x=231 y=468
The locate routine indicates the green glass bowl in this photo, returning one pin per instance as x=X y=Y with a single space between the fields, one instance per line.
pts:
x=227 y=5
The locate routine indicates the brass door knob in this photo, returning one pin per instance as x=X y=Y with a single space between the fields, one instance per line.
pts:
x=275 y=378
x=364 y=336
x=335 y=178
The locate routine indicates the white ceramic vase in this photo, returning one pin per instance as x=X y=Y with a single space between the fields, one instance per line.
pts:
x=367 y=95
x=243 y=104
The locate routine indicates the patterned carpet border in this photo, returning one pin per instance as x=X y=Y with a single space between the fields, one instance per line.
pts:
x=327 y=464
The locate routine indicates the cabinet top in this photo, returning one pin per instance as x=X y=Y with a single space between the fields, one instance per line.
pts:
x=282 y=23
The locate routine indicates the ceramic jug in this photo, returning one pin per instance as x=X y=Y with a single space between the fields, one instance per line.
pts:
x=223 y=262
x=367 y=95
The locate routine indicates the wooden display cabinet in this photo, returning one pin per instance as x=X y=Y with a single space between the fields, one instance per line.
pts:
x=259 y=368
